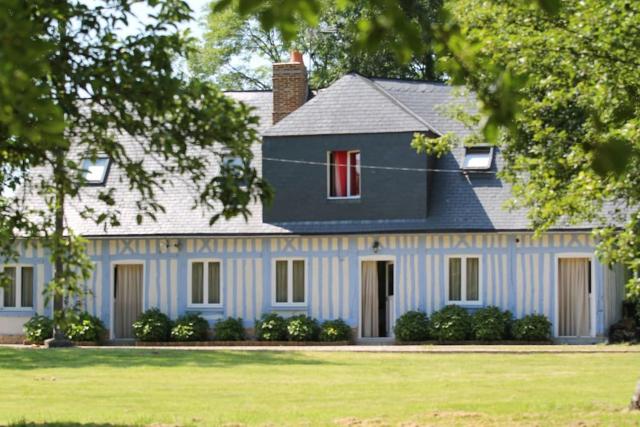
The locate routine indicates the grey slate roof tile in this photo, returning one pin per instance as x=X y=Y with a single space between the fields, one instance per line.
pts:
x=354 y=104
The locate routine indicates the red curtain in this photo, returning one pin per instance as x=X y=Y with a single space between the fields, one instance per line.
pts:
x=339 y=175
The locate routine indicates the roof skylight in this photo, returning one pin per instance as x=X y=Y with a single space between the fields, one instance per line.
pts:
x=478 y=158
x=95 y=172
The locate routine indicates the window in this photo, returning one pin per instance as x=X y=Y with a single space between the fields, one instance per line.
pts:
x=478 y=158
x=463 y=280
x=289 y=280
x=236 y=166
x=19 y=292
x=344 y=174
x=204 y=288
x=95 y=172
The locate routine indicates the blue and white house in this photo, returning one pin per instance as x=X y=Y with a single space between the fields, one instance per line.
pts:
x=362 y=228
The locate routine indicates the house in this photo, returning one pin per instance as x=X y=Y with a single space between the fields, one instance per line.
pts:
x=362 y=228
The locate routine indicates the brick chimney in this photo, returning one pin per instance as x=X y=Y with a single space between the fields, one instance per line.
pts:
x=290 y=86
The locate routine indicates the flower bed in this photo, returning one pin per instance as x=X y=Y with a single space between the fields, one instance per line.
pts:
x=247 y=343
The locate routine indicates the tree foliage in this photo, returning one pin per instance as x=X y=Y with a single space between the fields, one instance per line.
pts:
x=237 y=51
x=72 y=83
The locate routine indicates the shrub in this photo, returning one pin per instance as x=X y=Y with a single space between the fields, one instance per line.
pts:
x=335 y=330
x=451 y=323
x=412 y=326
x=302 y=328
x=38 y=328
x=229 y=330
x=271 y=327
x=534 y=327
x=491 y=324
x=152 y=325
x=190 y=327
x=85 y=328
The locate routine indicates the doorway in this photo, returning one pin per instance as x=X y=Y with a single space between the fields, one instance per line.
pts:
x=377 y=289
x=127 y=298
x=574 y=297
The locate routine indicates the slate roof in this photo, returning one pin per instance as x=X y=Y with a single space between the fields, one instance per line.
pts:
x=354 y=104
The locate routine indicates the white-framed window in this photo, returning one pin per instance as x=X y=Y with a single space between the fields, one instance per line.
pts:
x=289 y=281
x=95 y=172
x=205 y=283
x=478 y=158
x=463 y=279
x=19 y=293
x=343 y=174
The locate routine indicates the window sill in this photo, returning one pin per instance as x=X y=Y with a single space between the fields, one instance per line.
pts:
x=292 y=307
x=470 y=304
x=344 y=199
x=206 y=307
x=8 y=311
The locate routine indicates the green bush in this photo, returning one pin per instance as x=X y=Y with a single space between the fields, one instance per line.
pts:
x=412 y=326
x=491 y=324
x=230 y=330
x=152 y=325
x=534 y=327
x=190 y=327
x=302 y=328
x=271 y=327
x=85 y=328
x=451 y=323
x=335 y=330
x=38 y=328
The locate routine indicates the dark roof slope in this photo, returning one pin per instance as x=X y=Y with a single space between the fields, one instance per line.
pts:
x=354 y=104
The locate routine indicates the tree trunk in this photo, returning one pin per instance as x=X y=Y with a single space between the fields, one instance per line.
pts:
x=635 y=400
x=59 y=304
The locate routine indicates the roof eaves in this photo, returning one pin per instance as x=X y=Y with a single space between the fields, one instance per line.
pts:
x=400 y=104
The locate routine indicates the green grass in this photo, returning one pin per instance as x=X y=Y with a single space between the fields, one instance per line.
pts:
x=124 y=387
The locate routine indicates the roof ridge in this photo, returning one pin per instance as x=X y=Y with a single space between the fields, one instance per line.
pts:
x=400 y=104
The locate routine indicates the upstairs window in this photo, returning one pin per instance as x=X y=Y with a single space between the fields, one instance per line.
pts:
x=19 y=292
x=95 y=172
x=478 y=158
x=344 y=174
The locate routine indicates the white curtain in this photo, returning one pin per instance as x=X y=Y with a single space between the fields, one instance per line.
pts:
x=574 y=306
x=369 y=299
x=128 y=299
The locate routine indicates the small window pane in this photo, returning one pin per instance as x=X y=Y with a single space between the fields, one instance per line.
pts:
x=281 y=281
x=354 y=170
x=27 y=287
x=214 y=283
x=197 y=283
x=95 y=172
x=472 y=279
x=10 y=290
x=338 y=174
x=478 y=158
x=455 y=276
x=298 y=281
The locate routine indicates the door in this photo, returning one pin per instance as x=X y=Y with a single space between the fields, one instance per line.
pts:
x=574 y=297
x=377 y=299
x=127 y=299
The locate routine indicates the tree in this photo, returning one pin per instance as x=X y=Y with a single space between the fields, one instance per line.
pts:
x=237 y=52
x=86 y=82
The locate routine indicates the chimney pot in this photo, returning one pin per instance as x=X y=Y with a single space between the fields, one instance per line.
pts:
x=296 y=56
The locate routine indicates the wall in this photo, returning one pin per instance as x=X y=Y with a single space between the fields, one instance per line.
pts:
x=517 y=273
x=380 y=198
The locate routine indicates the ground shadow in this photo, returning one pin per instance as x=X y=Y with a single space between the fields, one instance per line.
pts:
x=65 y=424
x=31 y=358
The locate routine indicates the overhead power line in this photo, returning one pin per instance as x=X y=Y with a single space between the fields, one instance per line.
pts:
x=392 y=168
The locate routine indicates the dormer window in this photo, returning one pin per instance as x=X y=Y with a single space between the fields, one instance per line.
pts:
x=477 y=158
x=344 y=174
x=95 y=172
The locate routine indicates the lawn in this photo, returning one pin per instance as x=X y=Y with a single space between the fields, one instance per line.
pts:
x=168 y=387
